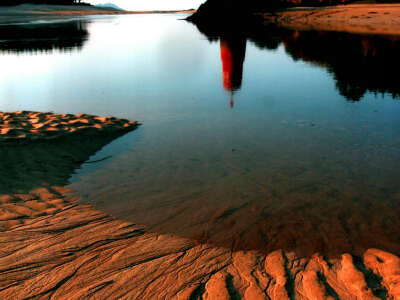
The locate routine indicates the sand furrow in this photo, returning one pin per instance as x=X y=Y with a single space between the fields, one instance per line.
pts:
x=111 y=259
x=54 y=248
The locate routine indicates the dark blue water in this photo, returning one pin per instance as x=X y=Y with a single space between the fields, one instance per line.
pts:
x=296 y=146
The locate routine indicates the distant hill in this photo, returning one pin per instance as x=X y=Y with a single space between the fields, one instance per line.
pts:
x=109 y=5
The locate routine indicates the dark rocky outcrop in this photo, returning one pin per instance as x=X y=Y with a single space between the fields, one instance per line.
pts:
x=213 y=11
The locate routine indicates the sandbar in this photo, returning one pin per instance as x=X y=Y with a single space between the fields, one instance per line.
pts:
x=353 y=18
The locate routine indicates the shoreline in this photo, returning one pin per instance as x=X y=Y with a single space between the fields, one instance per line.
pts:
x=25 y=13
x=74 y=251
x=382 y=19
x=54 y=247
x=25 y=126
x=26 y=10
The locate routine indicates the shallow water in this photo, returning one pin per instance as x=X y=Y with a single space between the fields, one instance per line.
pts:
x=277 y=139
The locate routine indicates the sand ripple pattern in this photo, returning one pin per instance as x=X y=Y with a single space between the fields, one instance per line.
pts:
x=54 y=248
x=72 y=251
x=28 y=126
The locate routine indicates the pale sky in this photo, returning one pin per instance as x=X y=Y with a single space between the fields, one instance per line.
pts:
x=152 y=4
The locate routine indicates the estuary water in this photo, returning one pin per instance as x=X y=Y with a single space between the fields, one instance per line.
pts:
x=273 y=139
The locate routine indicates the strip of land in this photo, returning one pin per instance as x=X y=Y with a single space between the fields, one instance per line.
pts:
x=25 y=13
x=354 y=18
x=70 y=10
x=54 y=248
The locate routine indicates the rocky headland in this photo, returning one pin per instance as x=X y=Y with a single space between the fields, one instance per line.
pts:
x=343 y=16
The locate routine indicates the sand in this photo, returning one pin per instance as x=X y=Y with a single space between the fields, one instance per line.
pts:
x=54 y=248
x=354 y=18
x=76 y=252
x=23 y=126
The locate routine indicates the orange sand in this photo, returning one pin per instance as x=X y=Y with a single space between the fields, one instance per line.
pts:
x=354 y=18
x=61 y=250
x=53 y=248
x=27 y=125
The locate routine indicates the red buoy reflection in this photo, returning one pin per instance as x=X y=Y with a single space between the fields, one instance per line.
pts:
x=233 y=50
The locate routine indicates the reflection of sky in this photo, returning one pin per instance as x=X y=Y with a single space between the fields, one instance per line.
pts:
x=290 y=129
x=122 y=63
x=152 y=4
x=112 y=65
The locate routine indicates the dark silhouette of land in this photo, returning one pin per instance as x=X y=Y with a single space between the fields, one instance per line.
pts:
x=216 y=11
x=47 y=37
x=358 y=63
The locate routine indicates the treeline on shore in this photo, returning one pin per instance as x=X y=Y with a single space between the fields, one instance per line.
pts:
x=51 y=2
x=44 y=37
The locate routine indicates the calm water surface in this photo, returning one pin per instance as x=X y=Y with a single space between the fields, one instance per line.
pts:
x=268 y=140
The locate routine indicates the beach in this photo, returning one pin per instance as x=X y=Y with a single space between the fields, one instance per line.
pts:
x=353 y=18
x=56 y=247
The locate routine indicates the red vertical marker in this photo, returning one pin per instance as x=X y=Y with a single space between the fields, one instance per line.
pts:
x=233 y=52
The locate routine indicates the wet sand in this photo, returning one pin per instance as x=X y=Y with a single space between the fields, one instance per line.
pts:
x=354 y=18
x=55 y=248
x=70 y=251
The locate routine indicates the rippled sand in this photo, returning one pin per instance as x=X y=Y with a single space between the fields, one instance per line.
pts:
x=62 y=250
x=54 y=248
x=25 y=126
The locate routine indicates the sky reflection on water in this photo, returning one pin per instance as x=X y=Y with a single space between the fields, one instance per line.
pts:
x=311 y=140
